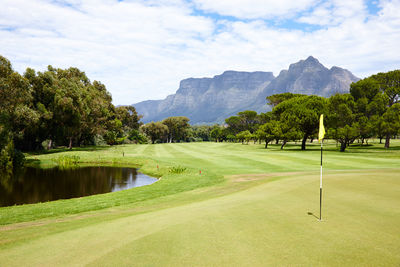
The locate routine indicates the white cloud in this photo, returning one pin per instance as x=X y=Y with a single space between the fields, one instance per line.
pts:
x=334 y=12
x=254 y=9
x=142 y=49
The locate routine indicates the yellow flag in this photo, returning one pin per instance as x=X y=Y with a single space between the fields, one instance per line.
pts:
x=321 y=133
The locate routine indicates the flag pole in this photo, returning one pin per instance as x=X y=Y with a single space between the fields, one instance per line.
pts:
x=321 y=135
x=320 y=189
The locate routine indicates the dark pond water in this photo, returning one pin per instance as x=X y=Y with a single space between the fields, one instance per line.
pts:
x=34 y=185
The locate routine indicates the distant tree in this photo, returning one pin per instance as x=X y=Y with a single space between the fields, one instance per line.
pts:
x=301 y=113
x=177 y=127
x=128 y=116
x=245 y=120
x=16 y=114
x=342 y=124
x=378 y=127
x=59 y=106
x=235 y=124
x=391 y=121
x=115 y=134
x=374 y=97
x=263 y=118
x=249 y=120
x=259 y=135
x=231 y=138
x=389 y=84
x=270 y=131
x=201 y=132
x=137 y=137
x=286 y=133
x=274 y=100
x=216 y=134
x=244 y=136
x=155 y=131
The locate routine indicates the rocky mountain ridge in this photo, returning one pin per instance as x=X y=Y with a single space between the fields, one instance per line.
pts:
x=211 y=100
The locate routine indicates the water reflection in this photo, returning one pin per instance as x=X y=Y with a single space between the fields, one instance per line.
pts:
x=33 y=185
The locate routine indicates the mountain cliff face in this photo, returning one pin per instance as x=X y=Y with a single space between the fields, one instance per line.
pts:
x=210 y=100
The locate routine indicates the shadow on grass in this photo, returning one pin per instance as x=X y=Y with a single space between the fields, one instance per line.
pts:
x=312 y=214
x=310 y=147
x=372 y=147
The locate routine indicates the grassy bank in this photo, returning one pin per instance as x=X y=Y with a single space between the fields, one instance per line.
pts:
x=250 y=206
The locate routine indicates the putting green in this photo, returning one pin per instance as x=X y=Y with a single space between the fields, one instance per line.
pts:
x=256 y=217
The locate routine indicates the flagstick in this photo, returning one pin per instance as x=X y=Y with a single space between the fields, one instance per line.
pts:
x=320 y=187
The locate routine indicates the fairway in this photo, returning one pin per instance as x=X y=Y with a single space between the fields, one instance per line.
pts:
x=248 y=207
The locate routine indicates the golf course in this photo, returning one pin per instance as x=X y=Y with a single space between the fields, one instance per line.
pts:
x=218 y=204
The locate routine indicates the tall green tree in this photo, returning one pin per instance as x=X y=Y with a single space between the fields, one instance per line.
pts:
x=177 y=127
x=270 y=131
x=16 y=114
x=155 y=131
x=274 y=100
x=377 y=94
x=217 y=133
x=202 y=132
x=341 y=120
x=389 y=84
x=301 y=113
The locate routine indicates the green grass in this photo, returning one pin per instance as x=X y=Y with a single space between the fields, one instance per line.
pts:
x=249 y=207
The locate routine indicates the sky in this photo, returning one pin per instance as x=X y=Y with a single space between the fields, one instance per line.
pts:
x=142 y=49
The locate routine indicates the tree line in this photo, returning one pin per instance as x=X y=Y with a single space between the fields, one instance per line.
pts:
x=62 y=107
x=371 y=109
x=57 y=107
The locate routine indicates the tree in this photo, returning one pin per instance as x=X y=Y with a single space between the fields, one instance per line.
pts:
x=234 y=125
x=391 y=121
x=177 y=127
x=231 y=138
x=342 y=125
x=270 y=131
x=128 y=116
x=274 y=100
x=137 y=137
x=155 y=131
x=216 y=133
x=244 y=136
x=377 y=94
x=369 y=102
x=301 y=113
x=389 y=84
x=248 y=119
x=16 y=115
x=59 y=106
x=201 y=132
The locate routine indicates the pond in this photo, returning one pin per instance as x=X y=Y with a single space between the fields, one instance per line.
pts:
x=33 y=185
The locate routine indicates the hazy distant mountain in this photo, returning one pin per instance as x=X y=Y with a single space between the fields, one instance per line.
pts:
x=207 y=100
x=210 y=100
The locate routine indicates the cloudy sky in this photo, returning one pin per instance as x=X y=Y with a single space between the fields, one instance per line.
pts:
x=141 y=49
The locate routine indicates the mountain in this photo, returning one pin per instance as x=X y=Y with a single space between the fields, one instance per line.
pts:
x=211 y=100
x=208 y=100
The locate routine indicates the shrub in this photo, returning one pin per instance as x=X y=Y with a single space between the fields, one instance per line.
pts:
x=67 y=161
x=177 y=169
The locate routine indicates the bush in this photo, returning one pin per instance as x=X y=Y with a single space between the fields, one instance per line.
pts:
x=177 y=170
x=136 y=137
x=67 y=161
x=19 y=159
x=10 y=158
x=98 y=140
